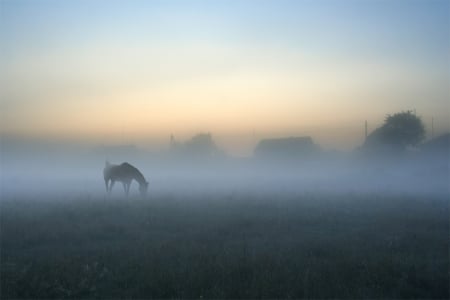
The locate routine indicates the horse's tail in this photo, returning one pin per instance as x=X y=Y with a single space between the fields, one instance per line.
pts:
x=106 y=170
x=106 y=174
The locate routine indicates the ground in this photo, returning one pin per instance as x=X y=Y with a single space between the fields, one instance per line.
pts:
x=226 y=245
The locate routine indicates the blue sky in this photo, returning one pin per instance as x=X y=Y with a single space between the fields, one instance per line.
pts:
x=150 y=68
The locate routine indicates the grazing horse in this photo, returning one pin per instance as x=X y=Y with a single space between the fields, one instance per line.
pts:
x=124 y=173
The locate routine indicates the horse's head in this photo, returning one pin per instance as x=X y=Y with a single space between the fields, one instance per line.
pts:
x=143 y=188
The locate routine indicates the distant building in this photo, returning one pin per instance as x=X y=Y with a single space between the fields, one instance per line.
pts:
x=376 y=144
x=286 y=148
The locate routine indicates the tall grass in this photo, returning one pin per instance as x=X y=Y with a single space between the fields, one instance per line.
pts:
x=226 y=246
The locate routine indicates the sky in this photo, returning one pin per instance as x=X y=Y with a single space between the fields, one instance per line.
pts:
x=122 y=72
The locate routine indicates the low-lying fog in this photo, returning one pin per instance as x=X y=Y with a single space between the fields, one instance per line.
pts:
x=70 y=172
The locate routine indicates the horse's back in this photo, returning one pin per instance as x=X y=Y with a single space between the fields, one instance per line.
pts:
x=122 y=171
x=128 y=168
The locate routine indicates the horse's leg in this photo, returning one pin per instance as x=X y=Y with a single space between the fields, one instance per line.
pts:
x=111 y=185
x=125 y=188
x=106 y=184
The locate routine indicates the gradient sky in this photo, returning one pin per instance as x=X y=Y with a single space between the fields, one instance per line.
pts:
x=137 y=71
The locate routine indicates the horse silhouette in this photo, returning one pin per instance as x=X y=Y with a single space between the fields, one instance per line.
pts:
x=124 y=173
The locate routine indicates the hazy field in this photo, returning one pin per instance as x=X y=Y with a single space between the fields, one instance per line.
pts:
x=291 y=149
x=226 y=245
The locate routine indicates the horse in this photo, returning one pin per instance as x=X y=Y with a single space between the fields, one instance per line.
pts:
x=124 y=173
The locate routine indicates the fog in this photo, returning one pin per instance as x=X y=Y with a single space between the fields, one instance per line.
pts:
x=314 y=225
x=66 y=171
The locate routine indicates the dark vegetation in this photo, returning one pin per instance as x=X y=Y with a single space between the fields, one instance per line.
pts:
x=398 y=132
x=226 y=245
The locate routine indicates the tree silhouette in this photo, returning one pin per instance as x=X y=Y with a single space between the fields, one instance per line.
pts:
x=399 y=131
x=403 y=129
x=201 y=144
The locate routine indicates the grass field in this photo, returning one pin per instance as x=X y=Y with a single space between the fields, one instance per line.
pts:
x=226 y=246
